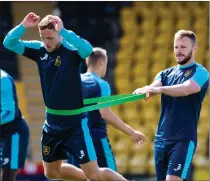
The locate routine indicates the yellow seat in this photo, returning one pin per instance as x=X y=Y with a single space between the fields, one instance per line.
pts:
x=201 y=161
x=165 y=26
x=122 y=82
x=183 y=14
x=124 y=54
x=160 y=55
x=122 y=144
x=201 y=174
x=157 y=67
x=201 y=12
x=204 y=115
x=145 y=39
x=147 y=26
x=138 y=164
x=130 y=26
x=151 y=166
x=193 y=5
x=203 y=129
x=127 y=13
x=122 y=163
x=199 y=25
x=163 y=40
x=137 y=149
x=139 y=69
x=150 y=114
x=116 y=109
x=201 y=146
x=206 y=58
x=140 y=81
x=165 y=14
x=142 y=55
x=121 y=71
x=183 y=24
x=131 y=114
x=173 y=4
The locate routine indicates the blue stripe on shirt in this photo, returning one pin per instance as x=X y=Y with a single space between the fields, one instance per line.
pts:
x=88 y=140
x=108 y=154
x=105 y=88
x=83 y=47
x=15 y=151
x=13 y=42
x=158 y=76
x=188 y=160
x=201 y=75
x=7 y=99
x=68 y=45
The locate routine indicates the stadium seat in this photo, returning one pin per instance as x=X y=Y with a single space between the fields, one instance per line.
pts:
x=138 y=164
x=122 y=162
x=200 y=161
x=201 y=145
x=137 y=149
x=201 y=174
x=151 y=166
x=122 y=144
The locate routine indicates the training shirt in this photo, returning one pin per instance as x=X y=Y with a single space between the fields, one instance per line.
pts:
x=179 y=115
x=94 y=86
x=59 y=71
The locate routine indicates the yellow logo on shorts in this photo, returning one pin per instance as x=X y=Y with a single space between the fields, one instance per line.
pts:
x=46 y=150
x=57 y=61
x=187 y=73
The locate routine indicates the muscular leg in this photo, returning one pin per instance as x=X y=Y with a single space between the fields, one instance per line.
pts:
x=63 y=171
x=172 y=178
x=93 y=172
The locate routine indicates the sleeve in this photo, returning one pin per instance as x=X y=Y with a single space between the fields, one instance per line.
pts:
x=7 y=101
x=83 y=47
x=27 y=48
x=201 y=76
x=105 y=89
x=159 y=76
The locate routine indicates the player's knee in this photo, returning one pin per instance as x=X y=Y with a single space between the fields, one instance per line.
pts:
x=92 y=176
x=99 y=174
x=173 y=178
x=52 y=174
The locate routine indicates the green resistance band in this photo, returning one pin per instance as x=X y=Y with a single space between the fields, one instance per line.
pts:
x=104 y=102
x=105 y=98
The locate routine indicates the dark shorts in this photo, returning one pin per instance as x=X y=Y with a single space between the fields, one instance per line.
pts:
x=105 y=157
x=174 y=158
x=14 y=145
x=75 y=141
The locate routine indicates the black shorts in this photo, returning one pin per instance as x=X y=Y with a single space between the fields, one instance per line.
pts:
x=174 y=158
x=105 y=157
x=76 y=141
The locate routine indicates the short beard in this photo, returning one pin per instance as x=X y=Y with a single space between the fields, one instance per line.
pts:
x=186 y=59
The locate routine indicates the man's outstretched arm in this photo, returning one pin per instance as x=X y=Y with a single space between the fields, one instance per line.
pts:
x=110 y=117
x=13 y=40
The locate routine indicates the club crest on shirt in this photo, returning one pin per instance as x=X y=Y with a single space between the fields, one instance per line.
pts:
x=187 y=73
x=57 y=61
x=46 y=150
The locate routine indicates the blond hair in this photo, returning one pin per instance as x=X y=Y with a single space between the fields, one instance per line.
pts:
x=97 y=54
x=46 y=23
x=186 y=33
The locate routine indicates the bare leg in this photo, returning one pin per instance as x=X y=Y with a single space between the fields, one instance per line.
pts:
x=63 y=171
x=93 y=172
